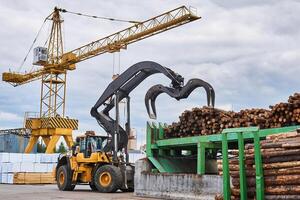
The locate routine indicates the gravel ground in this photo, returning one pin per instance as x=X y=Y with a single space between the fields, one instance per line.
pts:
x=42 y=192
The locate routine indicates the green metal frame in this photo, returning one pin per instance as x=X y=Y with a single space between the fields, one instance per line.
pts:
x=158 y=147
x=157 y=152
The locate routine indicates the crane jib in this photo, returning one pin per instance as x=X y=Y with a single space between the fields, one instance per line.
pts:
x=112 y=43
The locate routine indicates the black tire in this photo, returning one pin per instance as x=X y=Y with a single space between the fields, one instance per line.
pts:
x=71 y=188
x=63 y=179
x=92 y=186
x=108 y=178
x=128 y=190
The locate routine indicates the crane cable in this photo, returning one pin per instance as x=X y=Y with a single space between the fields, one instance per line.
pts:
x=31 y=46
x=98 y=17
x=71 y=12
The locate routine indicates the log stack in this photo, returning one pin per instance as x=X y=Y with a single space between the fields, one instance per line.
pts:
x=284 y=114
x=281 y=168
x=207 y=120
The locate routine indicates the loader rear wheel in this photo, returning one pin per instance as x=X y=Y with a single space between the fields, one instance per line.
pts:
x=64 y=181
x=108 y=178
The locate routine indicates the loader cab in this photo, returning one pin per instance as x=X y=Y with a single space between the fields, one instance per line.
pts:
x=89 y=144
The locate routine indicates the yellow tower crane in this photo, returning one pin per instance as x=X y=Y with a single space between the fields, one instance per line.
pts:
x=55 y=63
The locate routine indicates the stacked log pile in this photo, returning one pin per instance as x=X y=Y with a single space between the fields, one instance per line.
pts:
x=284 y=114
x=281 y=168
x=207 y=121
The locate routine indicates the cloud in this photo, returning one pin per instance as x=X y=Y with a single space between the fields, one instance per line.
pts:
x=10 y=120
x=6 y=116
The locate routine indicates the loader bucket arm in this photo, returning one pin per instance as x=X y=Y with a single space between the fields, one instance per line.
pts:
x=122 y=86
x=177 y=93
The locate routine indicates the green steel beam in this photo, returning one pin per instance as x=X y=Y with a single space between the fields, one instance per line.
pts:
x=242 y=172
x=161 y=131
x=226 y=176
x=161 y=152
x=240 y=129
x=154 y=132
x=218 y=137
x=157 y=164
x=260 y=195
x=149 y=152
x=200 y=158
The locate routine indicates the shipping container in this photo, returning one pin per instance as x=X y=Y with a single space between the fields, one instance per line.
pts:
x=13 y=143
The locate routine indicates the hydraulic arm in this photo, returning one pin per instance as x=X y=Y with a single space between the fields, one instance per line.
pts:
x=119 y=89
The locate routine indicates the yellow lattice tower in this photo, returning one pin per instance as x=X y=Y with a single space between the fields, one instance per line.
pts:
x=52 y=124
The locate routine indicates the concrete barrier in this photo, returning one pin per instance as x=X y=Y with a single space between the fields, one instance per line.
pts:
x=174 y=186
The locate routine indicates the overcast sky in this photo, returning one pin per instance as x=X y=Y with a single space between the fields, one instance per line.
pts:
x=248 y=50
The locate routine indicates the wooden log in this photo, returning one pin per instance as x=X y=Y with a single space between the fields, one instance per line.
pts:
x=281 y=159
x=219 y=197
x=284 y=189
x=271 y=180
x=276 y=153
x=282 y=136
x=269 y=172
x=282 y=197
x=271 y=190
x=282 y=165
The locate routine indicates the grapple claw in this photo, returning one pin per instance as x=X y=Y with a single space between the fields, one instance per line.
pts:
x=194 y=83
x=151 y=96
x=178 y=93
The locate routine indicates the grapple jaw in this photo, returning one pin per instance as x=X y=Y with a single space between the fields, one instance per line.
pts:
x=178 y=93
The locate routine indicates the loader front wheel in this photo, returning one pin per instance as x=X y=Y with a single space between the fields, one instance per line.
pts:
x=108 y=178
x=64 y=182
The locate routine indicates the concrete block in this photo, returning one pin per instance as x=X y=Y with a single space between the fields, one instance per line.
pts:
x=15 y=157
x=174 y=186
x=49 y=158
x=13 y=167
x=29 y=158
x=40 y=167
x=54 y=157
x=4 y=157
x=4 y=178
x=38 y=158
x=10 y=178
x=6 y=167
x=51 y=167
x=46 y=158
x=27 y=167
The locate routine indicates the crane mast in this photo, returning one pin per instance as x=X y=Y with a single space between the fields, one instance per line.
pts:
x=52 y=124
x=53 y=88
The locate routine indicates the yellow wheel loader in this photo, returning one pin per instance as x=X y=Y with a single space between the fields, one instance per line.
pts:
x=88 y=163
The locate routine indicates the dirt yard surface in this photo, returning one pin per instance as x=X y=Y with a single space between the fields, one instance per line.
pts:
x=42 y=192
